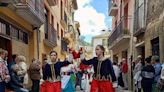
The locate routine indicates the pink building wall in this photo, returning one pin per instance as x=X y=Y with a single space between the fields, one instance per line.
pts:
x=129 y=11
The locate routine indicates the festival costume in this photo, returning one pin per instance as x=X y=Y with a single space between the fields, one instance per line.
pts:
x=52 y=76
x=68 y=78
x=103 y=73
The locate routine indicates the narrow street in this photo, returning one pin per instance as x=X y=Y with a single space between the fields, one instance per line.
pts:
x=54 y=45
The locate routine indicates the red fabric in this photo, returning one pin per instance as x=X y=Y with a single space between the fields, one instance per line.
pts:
x=50 y=87
x=83 y=66
x=125 y=68
x=76 y=54
x=101 y=86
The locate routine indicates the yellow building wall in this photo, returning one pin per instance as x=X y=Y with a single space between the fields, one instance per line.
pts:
x=20 y=49
x=15 y=19
x=28 y=50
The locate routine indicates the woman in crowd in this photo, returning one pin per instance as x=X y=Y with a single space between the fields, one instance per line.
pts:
x=137 y=73
x=103 y=71
x=4 y=73
x=17 y=79
x=35 y=75
x=52 y=74
x=23 y=69
x=147 y=73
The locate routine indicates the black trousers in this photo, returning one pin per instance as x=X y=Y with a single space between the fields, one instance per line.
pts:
x=147 y=85
x=35 y=85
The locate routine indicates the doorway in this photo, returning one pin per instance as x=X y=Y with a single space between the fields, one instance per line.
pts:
x=155 y=46
x=6 y=45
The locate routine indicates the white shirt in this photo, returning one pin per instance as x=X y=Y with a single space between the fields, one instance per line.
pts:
x=116 y=70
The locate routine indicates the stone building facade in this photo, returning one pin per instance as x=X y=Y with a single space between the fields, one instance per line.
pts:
x=154 y=34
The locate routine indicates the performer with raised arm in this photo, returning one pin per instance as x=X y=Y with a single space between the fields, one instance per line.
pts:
x=52 y=74
x=103 y=71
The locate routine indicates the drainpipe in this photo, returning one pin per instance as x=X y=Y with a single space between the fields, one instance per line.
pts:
x=37 y=34
x=38 y=41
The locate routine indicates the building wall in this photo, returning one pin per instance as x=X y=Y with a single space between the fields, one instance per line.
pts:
x=155 y=26
x=122 y=46
x=21 y=49
x=99 y=41
x=56 y=12
x=30 y=49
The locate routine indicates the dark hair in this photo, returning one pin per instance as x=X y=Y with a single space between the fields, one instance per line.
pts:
x=148 y=59
x=33 y=59
x=114 y=63
x=102 y=48
x=155 y=58
x=14 y=56
x=53 y=52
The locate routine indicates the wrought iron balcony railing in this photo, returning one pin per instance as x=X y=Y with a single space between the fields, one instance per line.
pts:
x=51 y=36
x=120 y=30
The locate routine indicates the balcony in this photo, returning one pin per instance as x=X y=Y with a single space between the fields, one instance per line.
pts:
x=64 y=44
x=31 y=10
x=52 y=2
x=139 y=20
x=51 y=36
x=120 y=34
x=113 y=8
x=64 y=21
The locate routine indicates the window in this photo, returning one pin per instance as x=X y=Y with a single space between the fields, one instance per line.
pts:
x=61 y=10
x=155 y=46
x=58 y=30
x=25 y=37
x=62 y=35
x=52 y=20
x=36 y=5
x=2 y=28
x=104 y=42
x=14 y=32
x=21 y=36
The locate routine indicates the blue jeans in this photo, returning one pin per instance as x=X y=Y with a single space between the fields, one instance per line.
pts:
x=79 y=79
x=2 y=86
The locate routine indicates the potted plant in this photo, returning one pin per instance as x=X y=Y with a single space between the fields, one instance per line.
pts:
x=126 y=31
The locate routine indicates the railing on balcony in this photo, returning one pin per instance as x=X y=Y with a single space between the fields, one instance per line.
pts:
x=120 y=30
x=139 y=18
x=64 y=44
x=51 y=35
x=35 y=7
